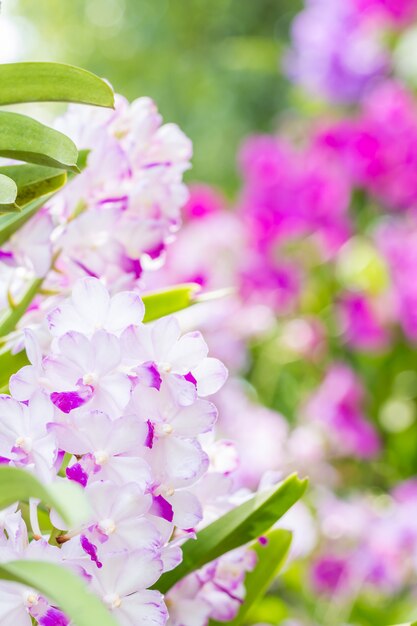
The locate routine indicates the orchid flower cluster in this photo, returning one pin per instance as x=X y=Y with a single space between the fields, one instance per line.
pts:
x=120 y=408
x=110 y=404
x=351 y=557
x=116 y=217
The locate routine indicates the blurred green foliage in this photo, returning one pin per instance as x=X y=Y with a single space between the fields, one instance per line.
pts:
x=211 y=65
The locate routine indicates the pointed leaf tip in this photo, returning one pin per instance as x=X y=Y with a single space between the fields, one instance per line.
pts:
x=52 y=82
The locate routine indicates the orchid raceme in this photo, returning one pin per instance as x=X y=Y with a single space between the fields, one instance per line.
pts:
x=138 y=490
x=119 y=408
x=106 y=421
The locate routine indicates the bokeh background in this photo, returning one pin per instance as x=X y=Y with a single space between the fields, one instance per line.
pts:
x=316 y=229
x=212 y=67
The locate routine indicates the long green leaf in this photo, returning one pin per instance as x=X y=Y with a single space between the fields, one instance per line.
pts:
x=49 y=82
x=63 y=588
x=271 y=558
x=8 y=194
x=167 y=301
x=25 y=139
x=33 y=181
x=239 y=526
x=65 y=497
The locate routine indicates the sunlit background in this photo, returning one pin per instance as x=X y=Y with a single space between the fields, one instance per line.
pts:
x=211 y=66
x=325 y=324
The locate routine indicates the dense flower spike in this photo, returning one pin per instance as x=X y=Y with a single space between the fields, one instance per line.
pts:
x=122 y=401
x=132 y=184
x=112 y=222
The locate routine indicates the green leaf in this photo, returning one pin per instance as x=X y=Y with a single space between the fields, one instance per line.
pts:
x=161 y=303
x=8 y=194
x=67 y=498
x=63 y=588
x=52 y=82
x=9 y=224
x=271 y=558
x=270 y=610
x=10 y=364
x=25 y=139
x=239 y=526
x=33 y=181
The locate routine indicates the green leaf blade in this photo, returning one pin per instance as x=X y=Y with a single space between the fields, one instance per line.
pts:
x=63 y=588
x=271 y=558
x=9 y=224
x=238 y=527
x=52 y=82
x=8 y=194
x=34 y=181
x=9 y=364
x=25 y=139
x=167 y=301
x=65 y=497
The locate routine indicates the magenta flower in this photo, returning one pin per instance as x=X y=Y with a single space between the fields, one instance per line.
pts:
x=396 y=12
x=379 y=147
x=337 y=406
x=330 y=574
x=203 y=201
x=360 y=322
x=397 y=241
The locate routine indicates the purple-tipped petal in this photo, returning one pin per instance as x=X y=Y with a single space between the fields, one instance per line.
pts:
x=67 y=401
x=149 y=375
x=162 y=508
x=150 y=436
x=190 y=378
x=90 y=549
x=53 y=617
x=77 y=474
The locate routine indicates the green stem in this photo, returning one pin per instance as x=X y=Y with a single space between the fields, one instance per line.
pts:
x=65 y=462
x=9 y=321
x=54 y=534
